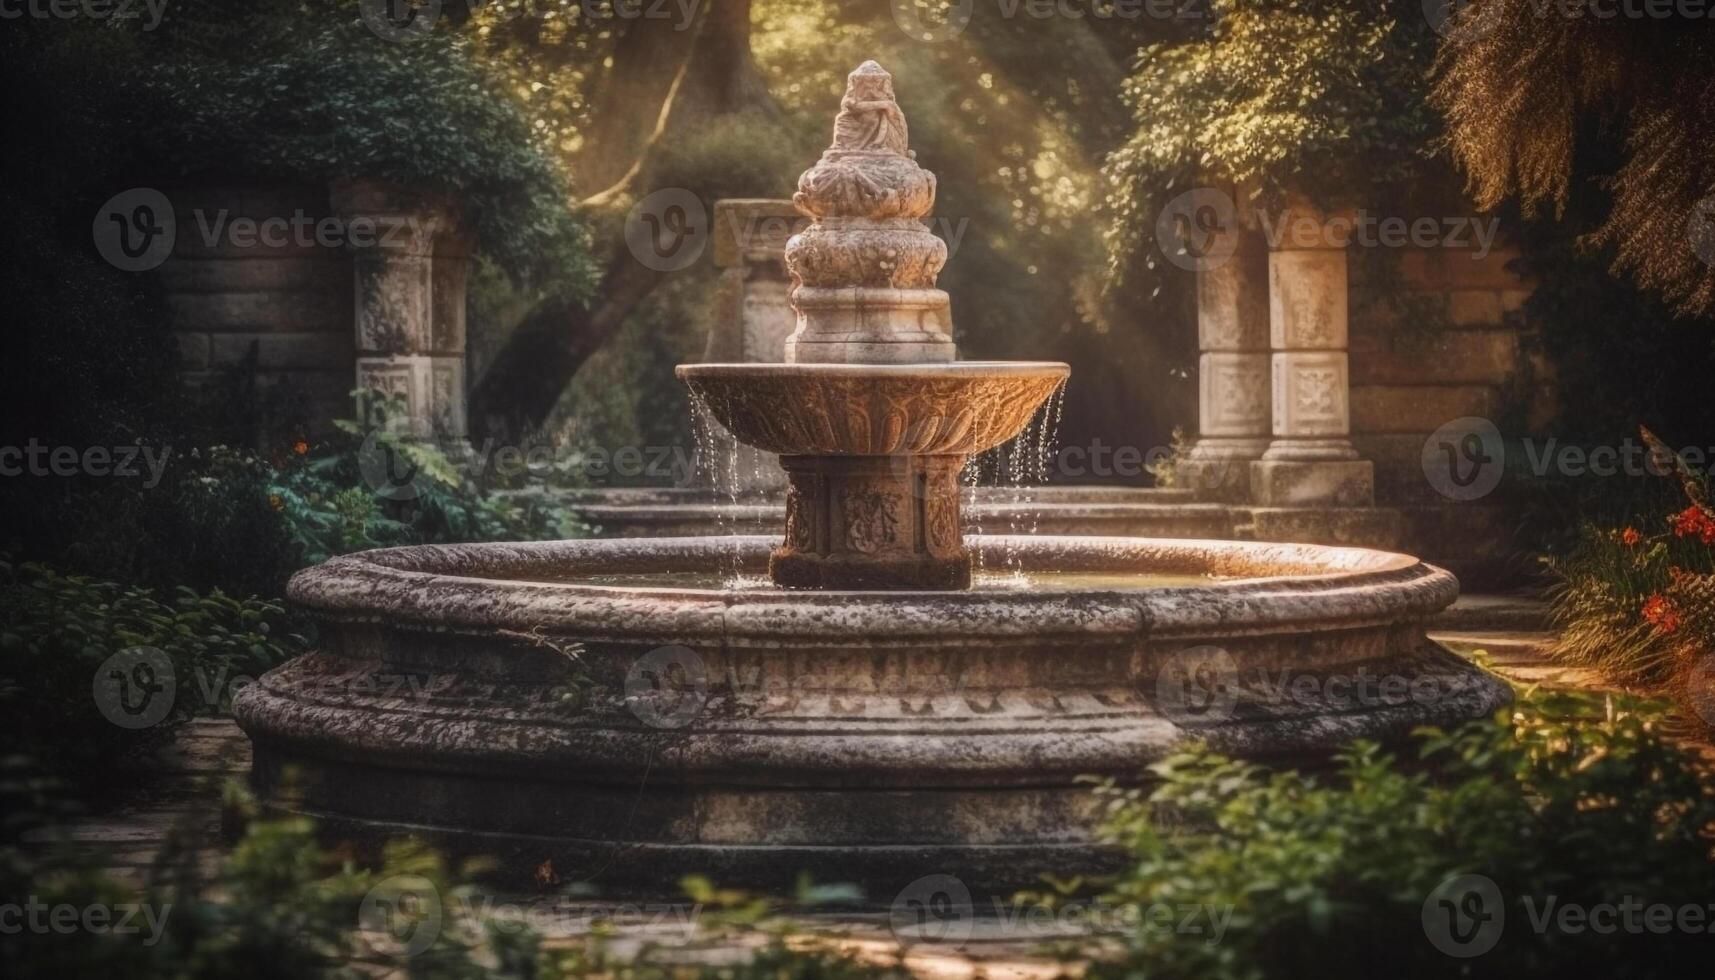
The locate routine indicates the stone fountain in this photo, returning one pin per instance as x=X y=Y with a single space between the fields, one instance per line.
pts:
x=872 y=416
x=628 y=711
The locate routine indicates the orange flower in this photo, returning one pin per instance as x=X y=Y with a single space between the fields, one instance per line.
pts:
x=1659 y=611
x=1631 y=536
x=300 y=447
x=1693 y=521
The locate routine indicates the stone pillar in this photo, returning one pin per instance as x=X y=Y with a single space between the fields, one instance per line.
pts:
x=753 y=310
x=1233 y=368
x=411 y=257
x=1310 y=462
x=754 y=307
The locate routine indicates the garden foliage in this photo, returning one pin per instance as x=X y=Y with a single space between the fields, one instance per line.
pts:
x=1572 y=799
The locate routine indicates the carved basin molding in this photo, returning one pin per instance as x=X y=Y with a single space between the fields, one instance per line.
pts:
x=952 y=409
x=753 y=733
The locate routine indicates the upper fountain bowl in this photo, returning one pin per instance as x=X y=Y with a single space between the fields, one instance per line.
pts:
x=953 y=409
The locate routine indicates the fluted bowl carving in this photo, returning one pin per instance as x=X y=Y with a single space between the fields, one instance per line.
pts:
x=959 y=408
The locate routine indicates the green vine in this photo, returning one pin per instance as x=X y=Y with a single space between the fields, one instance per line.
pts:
x=1322 y=96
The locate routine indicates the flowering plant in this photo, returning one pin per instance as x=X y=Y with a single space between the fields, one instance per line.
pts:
x=1638 y=602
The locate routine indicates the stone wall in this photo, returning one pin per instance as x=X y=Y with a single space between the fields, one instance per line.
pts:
x=330 y=289
x=1409 y=381
x=287 y=301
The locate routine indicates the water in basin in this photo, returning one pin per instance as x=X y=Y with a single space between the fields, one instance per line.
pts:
x=994 y=581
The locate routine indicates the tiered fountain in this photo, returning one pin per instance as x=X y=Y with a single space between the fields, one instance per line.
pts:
x=872 y=416
x=630 y=712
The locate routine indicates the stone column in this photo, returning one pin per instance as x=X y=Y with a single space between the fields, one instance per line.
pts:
x=1310 y=462
x=754 y=305
x=1233 y=368
x=410 y=257
x=753 y=310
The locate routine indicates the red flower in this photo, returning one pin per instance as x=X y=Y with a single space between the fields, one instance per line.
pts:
x=1693 y=521
x=300 y=447
x=1631 y=536
x=1660 y=612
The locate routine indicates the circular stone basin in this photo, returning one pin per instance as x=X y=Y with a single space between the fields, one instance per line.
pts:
x=595 y=704
x=953 y=409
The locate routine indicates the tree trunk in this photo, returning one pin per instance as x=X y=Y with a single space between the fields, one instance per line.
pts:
x=647 y=100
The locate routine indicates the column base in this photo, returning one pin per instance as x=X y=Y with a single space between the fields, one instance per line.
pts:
x=1355 y=527
x=1310 y=450
x=1334 y=482
x=1218 y=469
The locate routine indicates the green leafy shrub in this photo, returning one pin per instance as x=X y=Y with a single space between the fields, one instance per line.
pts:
x=278 y=905
x=57 y=630
x=1573 y=798
x=281 y=904
x=289 y=89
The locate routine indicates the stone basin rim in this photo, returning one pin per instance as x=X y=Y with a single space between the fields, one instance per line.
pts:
x=930 y=371
x=456 y=587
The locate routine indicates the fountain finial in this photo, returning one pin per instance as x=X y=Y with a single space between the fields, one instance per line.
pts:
x=869 y=118
x=863 y=273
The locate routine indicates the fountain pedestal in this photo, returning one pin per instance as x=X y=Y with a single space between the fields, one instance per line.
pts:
x=872 y=522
